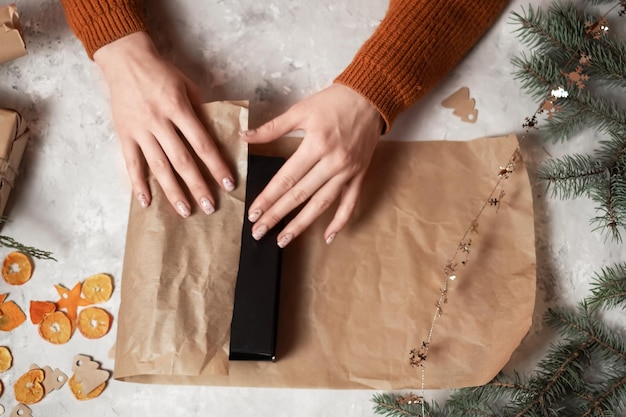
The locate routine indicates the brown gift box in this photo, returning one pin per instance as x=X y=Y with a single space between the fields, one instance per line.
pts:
x=350 y=312
x=13 y=140
x=11 y=41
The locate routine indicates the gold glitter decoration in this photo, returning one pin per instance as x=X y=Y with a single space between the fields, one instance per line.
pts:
x=548 y=107
x=530 y=122
x=418 y=357
x=558 y=92
x=577 y=77
x=598 y=28
x=409 y=399
x=585 y=59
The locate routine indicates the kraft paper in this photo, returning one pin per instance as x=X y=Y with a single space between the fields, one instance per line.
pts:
x=11 y=41
x=350 y=312
x=13 y=140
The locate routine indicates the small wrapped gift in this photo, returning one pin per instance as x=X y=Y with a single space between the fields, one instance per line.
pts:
x=13 y=139
x=11 y=40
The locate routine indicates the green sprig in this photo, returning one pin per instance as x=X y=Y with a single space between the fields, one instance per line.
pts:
x=9 y=242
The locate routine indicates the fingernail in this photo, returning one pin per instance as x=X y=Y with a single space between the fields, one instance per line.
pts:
x=183 y=209
x=284 y=241
x=260 y=232
x=143 y=200
x=254 y=216
x=330 y=238
x=247 y=132
x=229 y=185
x=206 y=205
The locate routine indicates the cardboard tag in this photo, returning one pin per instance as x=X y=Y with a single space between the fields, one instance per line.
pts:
x=88 y=373
x=462 y=104
x=21 y=410
x=53 y=379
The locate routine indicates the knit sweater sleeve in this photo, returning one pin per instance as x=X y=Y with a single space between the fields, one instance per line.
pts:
x=417 y=43
x=100 y=22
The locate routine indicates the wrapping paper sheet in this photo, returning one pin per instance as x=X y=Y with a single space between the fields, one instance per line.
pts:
x=350 y=312
x=177 y=287
x=13 y=140
x=11 y=41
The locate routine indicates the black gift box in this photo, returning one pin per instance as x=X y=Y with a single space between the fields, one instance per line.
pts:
x=255 y=314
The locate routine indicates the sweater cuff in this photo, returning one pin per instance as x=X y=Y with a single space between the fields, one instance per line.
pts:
x=102 y=21
x=375 y=90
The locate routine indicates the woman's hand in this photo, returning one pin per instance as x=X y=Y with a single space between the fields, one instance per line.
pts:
x=153 y=111
x=341 y=132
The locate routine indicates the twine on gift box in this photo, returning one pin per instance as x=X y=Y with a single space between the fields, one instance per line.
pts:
x=8 y=174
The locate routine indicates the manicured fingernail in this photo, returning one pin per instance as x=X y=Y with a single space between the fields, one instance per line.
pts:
x=143 y=200
x=206 y=205
x=254 y=216
x=260 y=232
x=183 y=209
x=284 y=241
x=330 y=238
x=229 y=185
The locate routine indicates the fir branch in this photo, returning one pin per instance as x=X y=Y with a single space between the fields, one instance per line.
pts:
x=613 y=152
x=585 y=325
x=607 y=63
x=572 y=175
x=611 y=197
x=386 y=405
x=609 y=288
x=559 y=34
x=556 y=31
x=606 y=115
x=588 y=111
x=560 y=371
x=538 y=74
x=610 y=400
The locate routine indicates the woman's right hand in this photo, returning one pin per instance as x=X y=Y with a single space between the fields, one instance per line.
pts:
x=153 y=110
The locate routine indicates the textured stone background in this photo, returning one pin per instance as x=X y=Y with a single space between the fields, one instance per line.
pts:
x=73 y=193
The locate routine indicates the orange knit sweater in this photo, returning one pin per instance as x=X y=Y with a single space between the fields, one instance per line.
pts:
x=417 y=43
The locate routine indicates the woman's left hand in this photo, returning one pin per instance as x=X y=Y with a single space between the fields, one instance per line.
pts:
x=341 y=130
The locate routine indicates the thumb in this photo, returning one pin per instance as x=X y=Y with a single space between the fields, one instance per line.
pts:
x=275 y=128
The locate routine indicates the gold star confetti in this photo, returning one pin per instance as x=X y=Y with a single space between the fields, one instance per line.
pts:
x=409 y=399
x=598 y=28
x=577 y=77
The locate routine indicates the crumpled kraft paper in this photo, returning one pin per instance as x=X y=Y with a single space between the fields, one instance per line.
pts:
x=351 y=311
x=11 y=41
x=13 y=140
x=177 y=285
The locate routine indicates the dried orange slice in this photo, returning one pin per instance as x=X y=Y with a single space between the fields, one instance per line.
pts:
x=39 y=309
x=11 y=315
x=17 y=268
x=70 y=300
x=93 y=322
x=6 y=359
x=29 y=389
x=77 y=389
x=56 y=328
x=98 y=288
